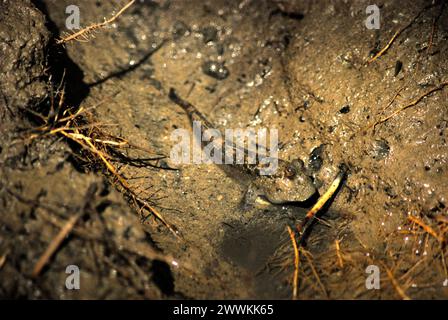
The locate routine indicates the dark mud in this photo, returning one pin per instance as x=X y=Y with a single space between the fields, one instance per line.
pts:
x=296 y=66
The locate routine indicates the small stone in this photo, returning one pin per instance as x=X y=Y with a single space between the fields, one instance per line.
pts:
x=215 y=70
x=380 y=149
x=345 y=109
x=398 y=66
x=306 y=104
x=315 y=161
x=209 y=34
x=180 y=29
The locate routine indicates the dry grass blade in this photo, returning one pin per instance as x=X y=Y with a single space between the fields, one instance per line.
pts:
x=3 y=260
x=54 y=244
x=427 y=228
x=338 y=253
x=395 y=284
x=83 y=34
x=445 y=268
x=412 y=269
x=295 y=280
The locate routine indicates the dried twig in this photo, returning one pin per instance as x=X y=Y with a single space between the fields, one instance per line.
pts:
x=54 y=244
x=301 y=228
x=83 y=33
x=136 y=248
x=322 y=201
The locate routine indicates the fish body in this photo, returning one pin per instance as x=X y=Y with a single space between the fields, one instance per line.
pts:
x=288 y=183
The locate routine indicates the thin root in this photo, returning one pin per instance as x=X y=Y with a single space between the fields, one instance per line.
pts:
x=84 y=34
x=412 y=103
x=308 y=257
x=295 y=281
x=396 y=34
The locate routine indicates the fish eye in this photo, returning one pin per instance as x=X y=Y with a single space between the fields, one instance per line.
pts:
x=290 y=171
x=298 y=163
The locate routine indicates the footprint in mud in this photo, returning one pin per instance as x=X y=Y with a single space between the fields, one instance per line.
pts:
x=249 y=247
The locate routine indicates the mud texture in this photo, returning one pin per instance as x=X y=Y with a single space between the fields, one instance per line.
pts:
x=298 y=66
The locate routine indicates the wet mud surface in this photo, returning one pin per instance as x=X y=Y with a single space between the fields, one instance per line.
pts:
x=297 y=66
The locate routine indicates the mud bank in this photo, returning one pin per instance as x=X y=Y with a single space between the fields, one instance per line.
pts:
x=300 y=67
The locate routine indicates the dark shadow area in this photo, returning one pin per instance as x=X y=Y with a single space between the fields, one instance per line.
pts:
x=62 y=66
x=163 y=277
x=287 y=14
x=124 y=71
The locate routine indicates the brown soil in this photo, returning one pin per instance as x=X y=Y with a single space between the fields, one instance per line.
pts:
x=298 y=66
